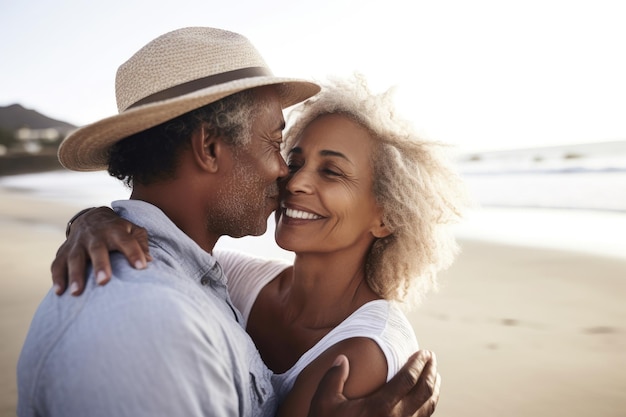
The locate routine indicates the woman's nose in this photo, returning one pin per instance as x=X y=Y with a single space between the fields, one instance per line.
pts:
x=299 y=182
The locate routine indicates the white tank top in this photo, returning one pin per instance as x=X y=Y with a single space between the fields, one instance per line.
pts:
x=379 y=320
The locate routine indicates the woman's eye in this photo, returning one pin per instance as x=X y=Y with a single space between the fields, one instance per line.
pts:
x=332 y=172
x=293 y=167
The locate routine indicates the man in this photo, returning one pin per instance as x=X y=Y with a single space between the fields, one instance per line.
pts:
x=198 y=138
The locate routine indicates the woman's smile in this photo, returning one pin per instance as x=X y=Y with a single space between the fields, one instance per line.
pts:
x=292 y=213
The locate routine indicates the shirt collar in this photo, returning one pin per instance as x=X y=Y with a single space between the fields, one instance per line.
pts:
x=163 y=233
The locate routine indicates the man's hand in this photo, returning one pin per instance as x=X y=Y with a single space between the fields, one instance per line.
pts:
x=413 y=391
x=91 y=237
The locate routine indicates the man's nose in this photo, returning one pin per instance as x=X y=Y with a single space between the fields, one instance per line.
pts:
x=283 y=169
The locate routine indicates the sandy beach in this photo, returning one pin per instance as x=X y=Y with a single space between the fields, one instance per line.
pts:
x=517 y=331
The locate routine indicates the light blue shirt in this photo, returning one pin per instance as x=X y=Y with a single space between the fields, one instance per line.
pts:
x=164 y=341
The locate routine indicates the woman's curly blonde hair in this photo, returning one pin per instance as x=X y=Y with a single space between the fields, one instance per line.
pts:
x=420 y=194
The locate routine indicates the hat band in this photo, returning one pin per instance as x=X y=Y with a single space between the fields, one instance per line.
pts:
x=200 y=83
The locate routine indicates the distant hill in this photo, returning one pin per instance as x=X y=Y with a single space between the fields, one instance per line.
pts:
x=34 y=154
x=16 y=116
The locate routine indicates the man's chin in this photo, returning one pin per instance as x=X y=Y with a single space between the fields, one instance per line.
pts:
x=239 y=236
x=259 y=232
x=252 y=231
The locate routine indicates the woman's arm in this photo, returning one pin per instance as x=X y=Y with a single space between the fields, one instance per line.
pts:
x=91 y=237
x=368 y=372
x=412 y=392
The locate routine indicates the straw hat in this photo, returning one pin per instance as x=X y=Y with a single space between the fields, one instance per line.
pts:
x=177 y=72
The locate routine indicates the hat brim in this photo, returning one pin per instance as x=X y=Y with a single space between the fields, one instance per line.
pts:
x=87 y=148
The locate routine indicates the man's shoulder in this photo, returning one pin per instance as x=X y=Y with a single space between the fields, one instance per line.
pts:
x=127 y=316
x=157 y=296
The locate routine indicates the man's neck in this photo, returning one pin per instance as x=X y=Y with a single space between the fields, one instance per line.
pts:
x=179 y=206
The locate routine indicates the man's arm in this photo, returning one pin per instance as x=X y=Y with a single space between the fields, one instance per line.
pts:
x=413 y=391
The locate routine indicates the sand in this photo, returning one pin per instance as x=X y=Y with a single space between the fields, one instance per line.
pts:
x=517 y=331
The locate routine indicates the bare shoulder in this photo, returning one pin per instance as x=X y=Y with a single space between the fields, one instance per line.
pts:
x=368 y=365
x=368 y=371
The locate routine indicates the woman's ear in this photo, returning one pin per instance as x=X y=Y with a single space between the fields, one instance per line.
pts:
x=381 y=230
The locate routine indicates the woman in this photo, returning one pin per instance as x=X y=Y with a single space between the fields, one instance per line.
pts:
x=366 y=209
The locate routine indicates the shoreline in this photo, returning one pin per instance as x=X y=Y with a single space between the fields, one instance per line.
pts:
x=25 y=163
x=517 y=331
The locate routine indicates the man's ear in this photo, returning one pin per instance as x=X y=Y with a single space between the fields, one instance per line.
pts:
x=207 y=148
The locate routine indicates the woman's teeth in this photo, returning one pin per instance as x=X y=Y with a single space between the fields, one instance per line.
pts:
x=297 y=214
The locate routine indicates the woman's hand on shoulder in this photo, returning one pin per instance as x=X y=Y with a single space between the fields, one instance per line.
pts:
x=91 y=237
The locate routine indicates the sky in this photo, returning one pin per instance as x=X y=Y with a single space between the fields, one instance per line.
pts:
x=481 y=74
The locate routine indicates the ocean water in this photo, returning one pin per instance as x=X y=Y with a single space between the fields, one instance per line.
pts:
x=83 y=189
x=566 y=197
x=586 y=157
x=581 y=211
x=586 y=176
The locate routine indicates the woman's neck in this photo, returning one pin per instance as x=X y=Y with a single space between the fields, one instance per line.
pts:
x=306 y=303
x=326 y=289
